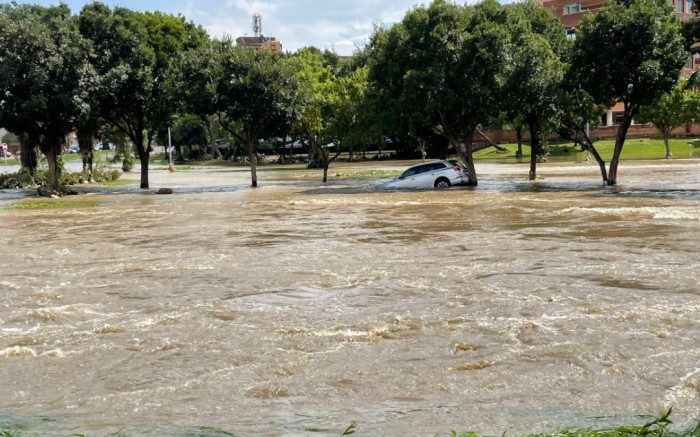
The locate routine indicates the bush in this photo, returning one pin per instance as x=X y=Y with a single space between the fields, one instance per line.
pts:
x=128 y=163
x=106 y=174
x=22 y=179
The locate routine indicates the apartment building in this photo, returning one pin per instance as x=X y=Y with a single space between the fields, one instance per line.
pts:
x=570 y=13
x=260 y=43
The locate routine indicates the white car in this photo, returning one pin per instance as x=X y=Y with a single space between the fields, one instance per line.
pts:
x=436 y=174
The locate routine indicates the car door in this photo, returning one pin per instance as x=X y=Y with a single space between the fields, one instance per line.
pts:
x=408 y=178
x=424 y=178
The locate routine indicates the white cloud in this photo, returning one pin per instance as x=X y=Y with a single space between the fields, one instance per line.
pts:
x=256 y=7
x=338 y=24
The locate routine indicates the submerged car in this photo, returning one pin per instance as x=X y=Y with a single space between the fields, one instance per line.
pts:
x=436 y=174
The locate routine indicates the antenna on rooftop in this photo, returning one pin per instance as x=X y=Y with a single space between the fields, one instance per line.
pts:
x=257 y=25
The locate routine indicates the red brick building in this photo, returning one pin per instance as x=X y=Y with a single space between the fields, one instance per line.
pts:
x=570 y=13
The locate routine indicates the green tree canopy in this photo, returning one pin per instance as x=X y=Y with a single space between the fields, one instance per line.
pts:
x=134 y=53
x=44 y=77
x=256 y=96
x=538 y=44
x=444 y=65
x=630 y=52
x=671 y=110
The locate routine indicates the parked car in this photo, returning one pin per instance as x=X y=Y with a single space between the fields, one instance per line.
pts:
x=5 y=154
x=73 y=148
x=436 y=174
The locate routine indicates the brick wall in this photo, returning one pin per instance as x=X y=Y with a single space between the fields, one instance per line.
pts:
x=601 y=133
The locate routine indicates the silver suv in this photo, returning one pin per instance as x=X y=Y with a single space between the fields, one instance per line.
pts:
x=438 y=174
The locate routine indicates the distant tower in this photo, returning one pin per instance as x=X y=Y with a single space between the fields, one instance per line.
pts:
x=257 y=25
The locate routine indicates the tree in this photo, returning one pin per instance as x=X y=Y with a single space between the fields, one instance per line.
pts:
x=670 y=110
x=533 y=81
x=43 y=72
x=444 y=65
x=133 y=55
x=255 y=96
x=644 y=61
x=195 y=79
x=333 y=113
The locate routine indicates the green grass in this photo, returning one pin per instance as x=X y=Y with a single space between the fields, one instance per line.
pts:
x=31 y=204
x=634 y=148
x=120 y=182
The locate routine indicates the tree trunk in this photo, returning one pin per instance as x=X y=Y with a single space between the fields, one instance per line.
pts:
x=519 y=132
x=87 y=150
x=281 y=151
x=619 y=143
x=534 y=149
x=598 y=159
x=253 y=163
x=215 y=152
x=143 y=159
x=325 y=160
x=469 y=154
x=667 y=133
x=29 y=156
x=52 y=158
x=421 y=143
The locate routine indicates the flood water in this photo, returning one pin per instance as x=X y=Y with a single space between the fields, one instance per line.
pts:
x=516 y=306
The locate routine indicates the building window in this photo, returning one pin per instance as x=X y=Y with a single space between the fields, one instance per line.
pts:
x=617 y=117
x=689 y=63
x=679 y=5
x=688 y=6
x=697 y=60
x=572 y=8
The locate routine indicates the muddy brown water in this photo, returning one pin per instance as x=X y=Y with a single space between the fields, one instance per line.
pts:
x=516 y=306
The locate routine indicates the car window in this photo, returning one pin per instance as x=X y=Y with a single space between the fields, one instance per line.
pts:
x=415 y=170
x=409 y=172
x=425 y=168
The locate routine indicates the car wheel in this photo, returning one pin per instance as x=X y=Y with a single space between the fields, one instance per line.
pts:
x=442 y=183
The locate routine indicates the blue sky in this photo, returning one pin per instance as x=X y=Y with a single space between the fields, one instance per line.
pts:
x=333 y=24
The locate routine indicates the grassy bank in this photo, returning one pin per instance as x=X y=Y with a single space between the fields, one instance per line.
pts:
x=658 y=427
x=635 y=148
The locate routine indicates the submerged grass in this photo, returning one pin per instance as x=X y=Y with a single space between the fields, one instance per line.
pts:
x=31 y=204
x=654 y=428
